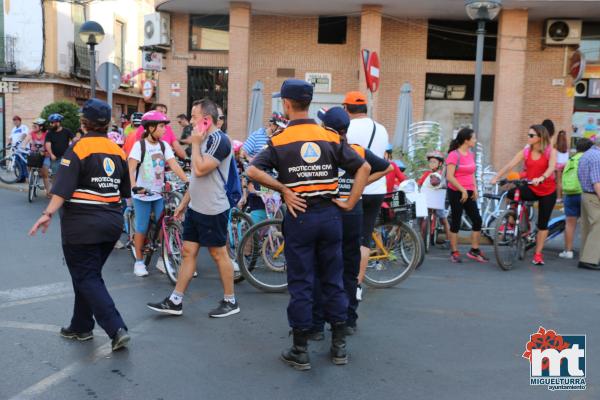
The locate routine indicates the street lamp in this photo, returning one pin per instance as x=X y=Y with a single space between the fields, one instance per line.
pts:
x=482 y=12
x=91 y=33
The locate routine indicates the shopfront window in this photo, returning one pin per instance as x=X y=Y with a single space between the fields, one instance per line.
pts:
x=209 y=32
x=590 y=41
x=457 y=40
x=208 y=83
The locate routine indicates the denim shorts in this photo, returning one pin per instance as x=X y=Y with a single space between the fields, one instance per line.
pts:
x=143 y=209
x=572 y=204
x=206 y=230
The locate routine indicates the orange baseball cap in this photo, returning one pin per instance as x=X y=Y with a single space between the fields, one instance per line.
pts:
x=357 y=98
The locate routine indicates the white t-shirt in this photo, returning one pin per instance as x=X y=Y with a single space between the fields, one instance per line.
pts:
x=360 y=132
x=152 y=171
x=18 y=134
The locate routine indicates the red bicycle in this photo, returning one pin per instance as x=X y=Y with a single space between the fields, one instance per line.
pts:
x=513 y=235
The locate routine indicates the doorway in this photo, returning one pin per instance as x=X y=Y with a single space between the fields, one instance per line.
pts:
x=208 y=82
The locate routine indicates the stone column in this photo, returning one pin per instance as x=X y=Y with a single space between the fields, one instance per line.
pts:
x=509 y=89
x=239 y=40
x=370 y=39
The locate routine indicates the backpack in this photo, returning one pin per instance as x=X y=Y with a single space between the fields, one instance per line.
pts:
x=232 y=185
x=143 y=154
x=570 y=180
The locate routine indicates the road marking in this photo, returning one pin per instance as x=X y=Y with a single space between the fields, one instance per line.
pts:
x=35 y=291
x=38 y=389
x=30 y=326
x=65 y=295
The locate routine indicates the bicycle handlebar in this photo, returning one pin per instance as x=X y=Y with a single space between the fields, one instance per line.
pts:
x=518 y=182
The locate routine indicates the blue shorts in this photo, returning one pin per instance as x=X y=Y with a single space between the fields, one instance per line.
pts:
x=441 y=214
x=206 y=230
x=143 y=209
x=572 y=203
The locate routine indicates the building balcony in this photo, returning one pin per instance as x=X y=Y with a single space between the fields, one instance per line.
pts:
x=7 y=55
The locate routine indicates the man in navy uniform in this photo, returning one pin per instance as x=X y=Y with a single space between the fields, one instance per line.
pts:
x=307 y=157
x=90 y=183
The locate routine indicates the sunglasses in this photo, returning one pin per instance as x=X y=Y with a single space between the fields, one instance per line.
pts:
x=531 y=135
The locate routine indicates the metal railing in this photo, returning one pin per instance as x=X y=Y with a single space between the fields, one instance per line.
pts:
x=7 y=54
x=81 y=61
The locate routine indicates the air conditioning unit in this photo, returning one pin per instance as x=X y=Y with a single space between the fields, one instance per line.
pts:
x=157 y=29
x=563 y=31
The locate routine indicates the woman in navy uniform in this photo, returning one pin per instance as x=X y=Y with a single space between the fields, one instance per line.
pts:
x=90 y=183
x=307 y=157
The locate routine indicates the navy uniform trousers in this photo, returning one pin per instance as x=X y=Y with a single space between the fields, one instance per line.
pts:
x=85 y=262
x=313 y=251
x=352 y=236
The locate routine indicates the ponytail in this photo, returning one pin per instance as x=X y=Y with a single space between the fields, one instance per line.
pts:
x=462 y=136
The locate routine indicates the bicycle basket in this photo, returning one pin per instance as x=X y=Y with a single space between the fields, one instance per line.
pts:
x=35 y=160
x=397 y=206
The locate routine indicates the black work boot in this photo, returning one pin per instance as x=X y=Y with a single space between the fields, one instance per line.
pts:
x=339 y=355
x=297 y=355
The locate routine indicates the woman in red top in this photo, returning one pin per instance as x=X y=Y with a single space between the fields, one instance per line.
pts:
x=539 y=164
x=36 y=140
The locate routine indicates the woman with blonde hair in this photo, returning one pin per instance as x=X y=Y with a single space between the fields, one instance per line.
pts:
x=539 y=163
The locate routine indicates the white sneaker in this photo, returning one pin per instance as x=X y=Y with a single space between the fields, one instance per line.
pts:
x=359 y=291
x=160 y=265
x=566 y=254
x=139 y=269
x=236 y=267
x=119 y=245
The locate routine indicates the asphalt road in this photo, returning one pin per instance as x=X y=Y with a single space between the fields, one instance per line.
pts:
x=449 y=332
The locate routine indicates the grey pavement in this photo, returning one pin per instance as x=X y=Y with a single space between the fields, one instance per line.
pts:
x=449 y=332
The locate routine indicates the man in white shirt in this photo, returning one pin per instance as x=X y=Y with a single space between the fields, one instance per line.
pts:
x=371 y=135
x=19 y=132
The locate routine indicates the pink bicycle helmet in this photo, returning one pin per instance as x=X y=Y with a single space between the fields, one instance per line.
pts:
x=237 y=145
x=154 y=117
x=435 y=154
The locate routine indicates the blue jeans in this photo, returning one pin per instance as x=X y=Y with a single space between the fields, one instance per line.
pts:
x=143 y=209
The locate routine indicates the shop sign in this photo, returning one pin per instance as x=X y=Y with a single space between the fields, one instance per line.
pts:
x=151 y=61
x=147 y=91
x=77 y=92
x=9 y=87
x=321 y=81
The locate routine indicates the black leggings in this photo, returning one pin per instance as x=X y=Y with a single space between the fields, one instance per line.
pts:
x=469 y=206
x=371 y=204
x=545 y=204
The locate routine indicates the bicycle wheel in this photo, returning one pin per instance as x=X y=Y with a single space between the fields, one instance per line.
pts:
x=131 y=231
x=32 y=186
x=263 y=265
x=506 y=240
x=426 y=232
x=399 y=257
x=9 y=170
x=149 y=246
x=239 y=224
x=172 y=247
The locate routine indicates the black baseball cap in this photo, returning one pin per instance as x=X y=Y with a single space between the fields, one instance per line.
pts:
x=97 y=111
x=296 y=89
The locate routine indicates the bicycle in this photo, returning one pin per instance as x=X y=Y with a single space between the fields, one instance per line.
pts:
x=513 y=234
x=238 y=223
x=166 y=234
x=13 y=160
x=261 y=258
x=397 y=248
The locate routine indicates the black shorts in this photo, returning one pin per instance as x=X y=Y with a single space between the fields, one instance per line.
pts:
x=206 y=230
x=371 y=204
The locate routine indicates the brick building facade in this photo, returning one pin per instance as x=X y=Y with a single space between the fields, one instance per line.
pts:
x=262 y=45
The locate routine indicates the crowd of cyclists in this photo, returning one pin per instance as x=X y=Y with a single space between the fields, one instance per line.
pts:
x=544 y=159
x=291 y=160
